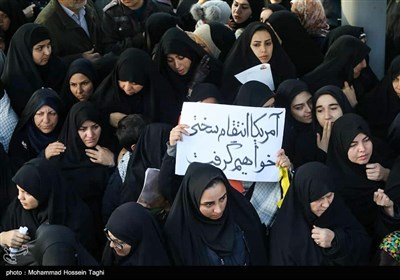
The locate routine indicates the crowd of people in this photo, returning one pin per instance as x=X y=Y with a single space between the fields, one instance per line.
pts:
x=91 y=94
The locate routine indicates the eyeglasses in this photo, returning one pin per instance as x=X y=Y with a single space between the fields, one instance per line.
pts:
x=118 y=244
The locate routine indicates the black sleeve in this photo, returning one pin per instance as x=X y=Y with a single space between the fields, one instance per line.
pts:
x=169 y=182
x=113 y=42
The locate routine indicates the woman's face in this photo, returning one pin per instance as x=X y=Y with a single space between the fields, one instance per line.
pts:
x=359 y=67
x=90 y=133
x=327 y=109
x=213 y=201
x=301 y=107
x=360 y=149
x=262 y=46
x=318 y=207
x=121 y=248
x=81 y=86
x=241 y=10
x=46 y=119
x=26 y=199
x=41 y=52
x=396 y=85
x=130 y=88
x=179 y=64
x=4 y=21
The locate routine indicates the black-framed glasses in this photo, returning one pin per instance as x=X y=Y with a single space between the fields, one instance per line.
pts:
x=118 y=244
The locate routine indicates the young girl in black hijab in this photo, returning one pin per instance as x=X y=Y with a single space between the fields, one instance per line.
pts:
x=257 y=44
x=30 y=65
x=295 y=97
x=43 y=197
x=210 y=223
x=328 y=104
x=360 y=168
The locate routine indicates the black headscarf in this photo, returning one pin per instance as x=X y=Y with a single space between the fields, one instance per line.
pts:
x=393 y=136
x=241 y=57
x=301 y=49
x=26 y=130
x=308 y=150
x=338 y=95
x=382 y=104
x=75 y=154
x=222 y=37
x=334 y=34
x=341 y=58
x=148 y=153
x=203 y=91
x=134 y=225
x=290 y=241
x=57 y=203
x=156 y=25
x=155 y=100
x=355 y=188
x=294 y=129
x=17 y=18
x=392 y=187
x=178 y=42
x=56 y=245
x=88 y=179
x=254 y=94
x=189 y=233
x=21 y=75
x=81 y=66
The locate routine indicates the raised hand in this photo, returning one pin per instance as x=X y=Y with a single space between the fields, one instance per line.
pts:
x=176 y=133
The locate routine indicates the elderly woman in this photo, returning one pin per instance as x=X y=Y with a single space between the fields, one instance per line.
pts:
x=38 y=127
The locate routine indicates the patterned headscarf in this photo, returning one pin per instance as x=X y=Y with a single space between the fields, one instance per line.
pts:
x=312 y=16
x=391 y=245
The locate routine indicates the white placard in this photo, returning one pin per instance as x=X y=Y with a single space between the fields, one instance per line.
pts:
x=242 y=141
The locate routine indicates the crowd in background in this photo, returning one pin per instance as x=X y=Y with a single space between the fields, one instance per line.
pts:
x=91 y=94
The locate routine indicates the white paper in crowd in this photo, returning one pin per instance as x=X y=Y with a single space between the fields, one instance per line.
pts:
x=261 y=73
x=242 y=141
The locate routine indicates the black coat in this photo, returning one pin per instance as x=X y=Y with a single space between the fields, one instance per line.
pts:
x=123 y=28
